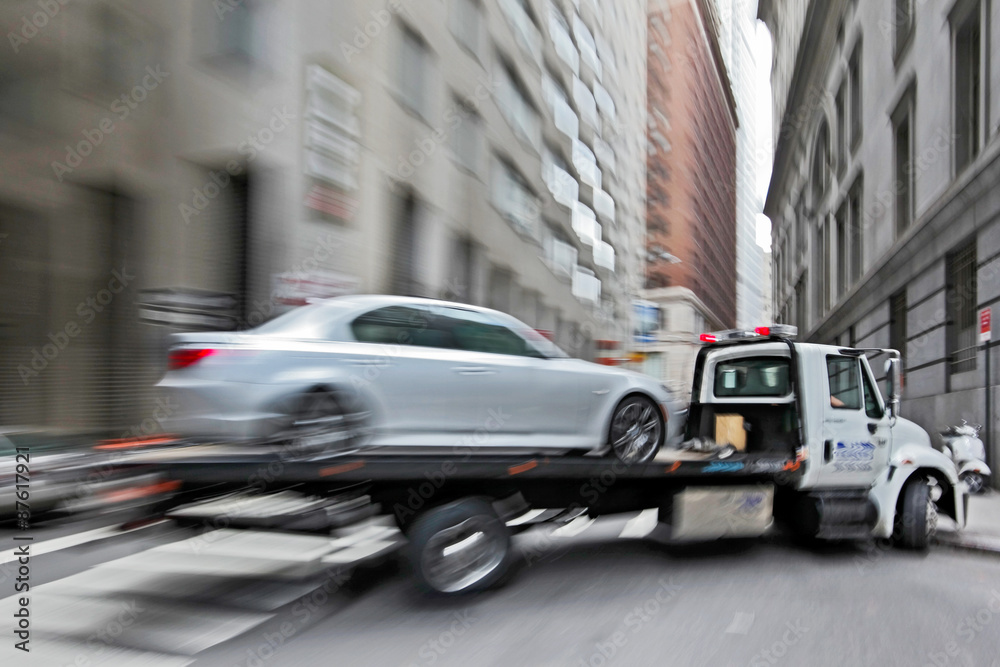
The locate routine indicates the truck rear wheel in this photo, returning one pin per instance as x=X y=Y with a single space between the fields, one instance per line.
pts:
x=916 y=523
x=460 y=547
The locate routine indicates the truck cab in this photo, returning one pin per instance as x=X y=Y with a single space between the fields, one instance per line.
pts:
x=859 y=466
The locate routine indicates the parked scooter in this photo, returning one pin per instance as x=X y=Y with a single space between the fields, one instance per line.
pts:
x=963 y=446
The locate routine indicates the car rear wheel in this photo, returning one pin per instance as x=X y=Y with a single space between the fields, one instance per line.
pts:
x=636 y=430
x=323 y=422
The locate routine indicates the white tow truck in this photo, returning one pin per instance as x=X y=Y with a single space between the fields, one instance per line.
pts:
x=777 y=431
x=864 y=468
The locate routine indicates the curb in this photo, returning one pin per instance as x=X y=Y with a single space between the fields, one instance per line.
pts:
x=970 y=541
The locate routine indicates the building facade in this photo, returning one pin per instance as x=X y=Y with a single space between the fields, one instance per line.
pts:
x=883 y=197
x=738 y=22
x=194 y=165
x=691 y=183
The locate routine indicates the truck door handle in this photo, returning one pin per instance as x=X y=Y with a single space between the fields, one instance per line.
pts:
x=872 y=427
x=473 y=370
x=827 y=451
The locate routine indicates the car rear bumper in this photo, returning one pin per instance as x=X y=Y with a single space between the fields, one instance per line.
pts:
x=232 y=411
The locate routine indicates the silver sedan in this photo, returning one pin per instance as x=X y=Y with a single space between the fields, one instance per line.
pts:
x=394 y=372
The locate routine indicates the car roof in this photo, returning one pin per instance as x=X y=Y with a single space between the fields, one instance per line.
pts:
x=364 y=301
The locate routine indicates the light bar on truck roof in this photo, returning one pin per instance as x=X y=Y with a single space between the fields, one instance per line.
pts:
x=774 y=330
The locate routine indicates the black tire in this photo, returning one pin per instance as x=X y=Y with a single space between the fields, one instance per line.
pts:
x=917 y=520
x=325 y=422
x=472 y=522
x=637 y=430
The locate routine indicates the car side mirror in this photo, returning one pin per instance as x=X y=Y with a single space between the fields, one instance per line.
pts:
x=894 y=382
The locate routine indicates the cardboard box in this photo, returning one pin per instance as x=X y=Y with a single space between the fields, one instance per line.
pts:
x=729 y=430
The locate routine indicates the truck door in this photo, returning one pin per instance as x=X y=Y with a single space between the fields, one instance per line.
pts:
x=855 y=426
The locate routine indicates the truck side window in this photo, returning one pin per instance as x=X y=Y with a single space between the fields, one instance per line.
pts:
x=845 y=390
x=872 y=406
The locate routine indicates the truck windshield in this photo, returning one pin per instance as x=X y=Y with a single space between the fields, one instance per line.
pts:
x=753 y=376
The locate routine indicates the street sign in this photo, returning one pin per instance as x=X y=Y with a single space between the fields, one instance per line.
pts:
x=985 y=333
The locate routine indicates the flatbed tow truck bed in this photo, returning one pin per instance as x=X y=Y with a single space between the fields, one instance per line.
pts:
x=387 y=476
x=469 y=503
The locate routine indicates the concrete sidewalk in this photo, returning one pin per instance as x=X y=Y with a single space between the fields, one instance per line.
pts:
x=982 y=528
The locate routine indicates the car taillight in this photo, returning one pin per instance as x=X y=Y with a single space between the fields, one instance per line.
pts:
x=186 y=357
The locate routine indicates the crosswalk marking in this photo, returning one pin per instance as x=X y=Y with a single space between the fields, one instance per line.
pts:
x=574 y=527
x=70 y=541
x=641 y=525
x=210 y=588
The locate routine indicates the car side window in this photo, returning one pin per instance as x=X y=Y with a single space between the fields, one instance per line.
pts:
x=872 y=406
x=399 y=325
x=476 y=332
x=845 y=388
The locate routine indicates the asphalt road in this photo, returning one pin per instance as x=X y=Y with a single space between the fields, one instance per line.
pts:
x=587 y=599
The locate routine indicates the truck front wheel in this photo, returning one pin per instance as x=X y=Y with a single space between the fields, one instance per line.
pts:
x=916 y=522
x=460 y=547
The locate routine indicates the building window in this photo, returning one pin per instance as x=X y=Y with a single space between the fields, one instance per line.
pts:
x=820 y=166
x=962 y=301
x=856 y=230
x=516 y=106
x=841 y=138
x=818 y=272
x=466 y=136
x=414 y=60
x=827 y=264
x=514 y=199
x=467 y=24
x=854 y=71
x=897 y=322
x=843 y=257
x=903 y=21
x=461 y=270
x=968 y=86
x=902 y=120
x=800 y=301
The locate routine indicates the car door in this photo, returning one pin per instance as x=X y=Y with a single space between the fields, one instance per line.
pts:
x=414 y=371
x=525 y=401
x=855 y=425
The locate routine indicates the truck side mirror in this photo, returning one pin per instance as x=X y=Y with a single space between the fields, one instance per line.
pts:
x=894 y=382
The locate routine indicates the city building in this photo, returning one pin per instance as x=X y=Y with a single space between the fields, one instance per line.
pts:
x=193 y=165
x=883 y=196
x=738 y=23
x=691 y=226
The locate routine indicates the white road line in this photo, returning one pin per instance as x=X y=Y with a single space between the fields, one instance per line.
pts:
x=526 y=517
x=574 y=527
x=70 y=541
x=740 y=624
x=641 y=525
